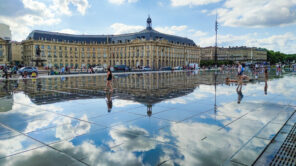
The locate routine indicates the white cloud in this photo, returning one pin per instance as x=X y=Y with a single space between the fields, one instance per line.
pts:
x=69 y=31
x=124 y=103
x=39 y=13
x=254 y=13
x=199 y=33
x=62 y=6
x=172 y=29
x=204 y=11
x=176 y=3
x=120 y=2
x=282 y=42
x=119 y=28
x=159 y=3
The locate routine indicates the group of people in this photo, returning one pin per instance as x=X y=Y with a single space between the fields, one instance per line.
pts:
x=8 y=71
x=241 y=77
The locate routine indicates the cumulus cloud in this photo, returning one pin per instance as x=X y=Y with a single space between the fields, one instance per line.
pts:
x=34 y=13
x=199 y=33
x=123 y=103
x=120 y=2
x=119 y=28
x=172 y=29
x=281 y=42
x=176 y=3
x=69 y=31
x=254 y=13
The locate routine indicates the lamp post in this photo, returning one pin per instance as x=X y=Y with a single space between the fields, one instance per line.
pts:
x=215 y=75
x=216 y=30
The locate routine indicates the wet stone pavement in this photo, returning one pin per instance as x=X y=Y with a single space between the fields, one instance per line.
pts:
x=173 y=118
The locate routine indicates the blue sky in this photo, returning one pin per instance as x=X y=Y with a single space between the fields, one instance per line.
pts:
x=262 y=23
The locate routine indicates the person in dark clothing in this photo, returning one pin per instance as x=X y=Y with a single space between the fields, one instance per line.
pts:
x=5 y=72
x=266 y=79
x=109 y=101
x=109 y=80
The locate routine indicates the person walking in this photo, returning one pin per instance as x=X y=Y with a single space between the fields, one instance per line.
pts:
x=239 y=71
x=5 y=71
x=109 y=80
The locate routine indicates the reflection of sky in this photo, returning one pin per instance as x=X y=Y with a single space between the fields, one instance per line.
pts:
x=181 y=131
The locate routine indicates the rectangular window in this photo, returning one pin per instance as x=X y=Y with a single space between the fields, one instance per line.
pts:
x=105 y=52
x=1 y=54
x=42 y=47
x=48 y=47
x=0 y=45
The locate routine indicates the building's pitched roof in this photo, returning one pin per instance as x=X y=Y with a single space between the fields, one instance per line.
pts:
x=148 y=34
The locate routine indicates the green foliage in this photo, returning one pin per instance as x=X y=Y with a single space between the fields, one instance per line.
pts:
x=276 y=57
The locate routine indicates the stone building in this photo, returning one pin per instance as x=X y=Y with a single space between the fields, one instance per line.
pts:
x=5 y=37
x=145 y=48
x=4 y=52
x=16 y=52
x=245 y=54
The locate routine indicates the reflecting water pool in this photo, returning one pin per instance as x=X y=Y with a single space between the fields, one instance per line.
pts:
x=165 y=118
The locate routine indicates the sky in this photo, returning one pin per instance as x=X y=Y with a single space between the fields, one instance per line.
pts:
x=267 y=24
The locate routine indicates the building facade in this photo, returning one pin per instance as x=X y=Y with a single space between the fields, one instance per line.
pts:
x=145 y=48
x=244 y=54
x=16 y=52
x=4 y=52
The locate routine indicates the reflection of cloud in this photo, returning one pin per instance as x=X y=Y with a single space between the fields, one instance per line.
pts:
x=37 y=157
x=11 y=145
x=132 y=138
x=195 y=151
x=219 y=145
x=123 y=103
x=175 y=101
x=68 y=131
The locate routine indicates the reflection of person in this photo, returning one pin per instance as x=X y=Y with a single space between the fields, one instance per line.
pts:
x=109 y=80
x=239 y=91
x=5 y=87
x=109 y=101
x=39 y=86
x=228 y=80
x=266 y=78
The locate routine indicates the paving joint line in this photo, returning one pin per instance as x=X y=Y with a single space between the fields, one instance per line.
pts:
x=44 y=144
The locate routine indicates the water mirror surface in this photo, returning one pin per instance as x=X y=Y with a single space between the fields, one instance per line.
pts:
x=162 y=118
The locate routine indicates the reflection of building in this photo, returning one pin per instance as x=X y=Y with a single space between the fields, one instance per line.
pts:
x=145 y=48
x=147 y=89
x=6 y=104
x=235 y=54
